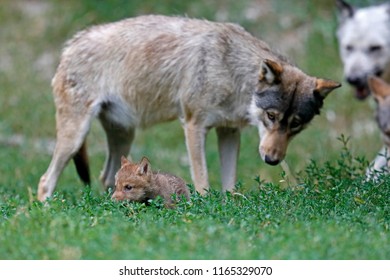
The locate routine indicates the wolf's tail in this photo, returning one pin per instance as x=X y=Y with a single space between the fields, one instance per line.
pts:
x=82 y=165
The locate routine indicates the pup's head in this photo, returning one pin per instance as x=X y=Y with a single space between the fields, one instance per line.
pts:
x=285 y=102
x=364 y=44
x=381 y=92
x=132 y=181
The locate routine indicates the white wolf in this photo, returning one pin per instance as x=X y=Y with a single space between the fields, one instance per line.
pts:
x=364 y=41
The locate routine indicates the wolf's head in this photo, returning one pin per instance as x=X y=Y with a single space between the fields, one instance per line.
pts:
x=132 y=181
x=381 y=92
x=285 y=102
x=364 y=43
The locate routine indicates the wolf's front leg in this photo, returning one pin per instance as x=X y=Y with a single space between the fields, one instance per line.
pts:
x=380 y=164
x=229 y=145
x=196 y=141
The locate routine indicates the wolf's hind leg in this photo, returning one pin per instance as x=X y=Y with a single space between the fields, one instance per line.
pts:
x=119 y=140
x=228 y=145
x=72 y=129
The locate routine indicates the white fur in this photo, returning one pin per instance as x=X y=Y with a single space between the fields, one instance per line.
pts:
x=368 y=27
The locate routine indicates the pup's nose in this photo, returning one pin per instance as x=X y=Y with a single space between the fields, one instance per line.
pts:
x=116 y=197
x=271 y=161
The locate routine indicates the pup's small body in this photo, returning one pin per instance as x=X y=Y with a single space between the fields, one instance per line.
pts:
x=137 y=182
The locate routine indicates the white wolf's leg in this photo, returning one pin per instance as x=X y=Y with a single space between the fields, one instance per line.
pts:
x=72 y=130
x=196 y=142
x=380 y=163
x=119 y=141
x=229 y=145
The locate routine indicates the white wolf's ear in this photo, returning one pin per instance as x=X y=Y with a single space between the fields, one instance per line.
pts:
x=144 y=166
x=124 y=161
x=379 y=88
x=345 y=10
x=324 y=87
x=270 y=72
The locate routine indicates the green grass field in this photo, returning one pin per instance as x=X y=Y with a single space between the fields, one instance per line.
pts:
x=329 y=213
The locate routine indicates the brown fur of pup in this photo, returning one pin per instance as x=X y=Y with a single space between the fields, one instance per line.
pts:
x=137 y=182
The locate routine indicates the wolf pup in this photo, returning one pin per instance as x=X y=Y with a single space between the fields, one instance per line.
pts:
x=137 y=182
x=381 y=92
x=150 y=69
x=364 y=44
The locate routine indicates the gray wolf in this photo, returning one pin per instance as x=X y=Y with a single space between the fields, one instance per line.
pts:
x=364 y=44
x=150 y=69
x=137 y=182
x=381 y=93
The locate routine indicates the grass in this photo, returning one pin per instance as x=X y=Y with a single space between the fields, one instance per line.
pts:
x=331 y=213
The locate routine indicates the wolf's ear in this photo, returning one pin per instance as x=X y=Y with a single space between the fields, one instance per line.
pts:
x=379 y=88
x=124 y=161
x=345 y=10
x=144 y=166
x=270 y=72
x=324 y=87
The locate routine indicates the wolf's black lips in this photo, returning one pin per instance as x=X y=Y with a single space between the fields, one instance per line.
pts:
x=378 y=72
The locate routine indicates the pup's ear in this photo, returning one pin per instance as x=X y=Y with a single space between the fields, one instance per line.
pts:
x=345 y=10
x=324 y=87
x=270 y=72
x=144 y=167
x=379 y=88
x=124 y=161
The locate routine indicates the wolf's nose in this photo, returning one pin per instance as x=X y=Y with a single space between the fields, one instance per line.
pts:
x=355 y=80
x=271 y=161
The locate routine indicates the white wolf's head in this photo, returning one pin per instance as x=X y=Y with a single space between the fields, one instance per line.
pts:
x=364 y=41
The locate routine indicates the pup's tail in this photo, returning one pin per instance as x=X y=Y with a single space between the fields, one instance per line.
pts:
x=82 y=165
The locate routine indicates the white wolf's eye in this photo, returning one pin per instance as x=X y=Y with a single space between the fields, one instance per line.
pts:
x=349 y=48
x=375 y=48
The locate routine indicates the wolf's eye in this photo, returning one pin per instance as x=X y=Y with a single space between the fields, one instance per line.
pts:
x=128 y=188
x=271 y=116
x=349 y=48
x=295 y=123
x=375 y=48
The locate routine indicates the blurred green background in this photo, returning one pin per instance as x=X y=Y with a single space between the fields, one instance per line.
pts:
x=32 y=34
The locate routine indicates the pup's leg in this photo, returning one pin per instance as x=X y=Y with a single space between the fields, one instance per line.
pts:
x=229 y=145
x=195 y=141
x=72 y=129
x=119 y=141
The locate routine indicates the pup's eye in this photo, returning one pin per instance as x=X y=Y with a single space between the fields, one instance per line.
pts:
x=375 y=48
x=271 y=116
x=128 y=188
x=349 y=48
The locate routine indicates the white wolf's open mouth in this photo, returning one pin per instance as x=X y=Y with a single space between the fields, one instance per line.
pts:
x=362 y=92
